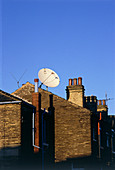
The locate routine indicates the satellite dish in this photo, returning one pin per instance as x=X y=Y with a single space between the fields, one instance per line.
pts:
x=48 y=77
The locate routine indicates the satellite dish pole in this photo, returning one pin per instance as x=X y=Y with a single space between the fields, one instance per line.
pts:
x=47 y=88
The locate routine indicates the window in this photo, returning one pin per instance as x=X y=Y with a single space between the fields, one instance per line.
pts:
x=76 y=168
x=113 y=141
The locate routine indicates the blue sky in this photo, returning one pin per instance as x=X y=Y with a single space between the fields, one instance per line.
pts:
x=74 y=38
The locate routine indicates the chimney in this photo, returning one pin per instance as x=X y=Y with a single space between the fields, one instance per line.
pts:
x=51 y=100
x=75 y=92
x=102 y=107
x=36 y=102
x=51 y=108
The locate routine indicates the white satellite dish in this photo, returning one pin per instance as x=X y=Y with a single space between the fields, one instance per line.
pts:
x=48 y=77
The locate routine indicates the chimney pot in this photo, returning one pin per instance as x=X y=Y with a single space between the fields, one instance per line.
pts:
x=100 y=102
x=79 y=80
x=104 y=103
x=35 y=80
x=70 y=82
x=74 y=81
x=36 y=85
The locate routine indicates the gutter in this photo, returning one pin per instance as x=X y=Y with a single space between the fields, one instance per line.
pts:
x=10 y=102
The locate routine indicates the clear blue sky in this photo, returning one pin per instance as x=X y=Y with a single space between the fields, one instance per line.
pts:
x=75 y=38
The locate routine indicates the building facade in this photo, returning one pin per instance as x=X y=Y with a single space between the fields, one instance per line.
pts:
x=102 y=124
x=72 y=131
x=15 y=129
x=65 y=131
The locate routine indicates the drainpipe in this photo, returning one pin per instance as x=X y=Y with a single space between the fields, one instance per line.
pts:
x=33 y=134
x=99 y=135
x=99 y=139
x=43 y=139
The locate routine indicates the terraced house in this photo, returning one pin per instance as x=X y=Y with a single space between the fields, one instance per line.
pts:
x=69 y=130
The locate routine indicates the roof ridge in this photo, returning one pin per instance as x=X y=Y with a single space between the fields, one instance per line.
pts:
x=22 y=87
x=69 y=102
x=45 y=91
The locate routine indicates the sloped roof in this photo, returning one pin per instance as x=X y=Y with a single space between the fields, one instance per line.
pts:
x=25 y=93
x=4 y=96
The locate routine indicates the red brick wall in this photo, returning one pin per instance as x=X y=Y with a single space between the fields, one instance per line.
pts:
x=36 y=103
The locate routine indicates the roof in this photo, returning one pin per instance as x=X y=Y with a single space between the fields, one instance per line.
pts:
x=25 y=93
x=6 y=98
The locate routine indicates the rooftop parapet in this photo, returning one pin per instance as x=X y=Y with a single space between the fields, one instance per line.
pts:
x=90 y=99
x=112 y=116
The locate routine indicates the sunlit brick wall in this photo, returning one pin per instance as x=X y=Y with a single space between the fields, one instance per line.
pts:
x=10 y=126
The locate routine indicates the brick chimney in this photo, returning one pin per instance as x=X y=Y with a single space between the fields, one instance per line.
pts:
x=90 y=102
x=102 y=107
x=36 y=102
x=75 y=91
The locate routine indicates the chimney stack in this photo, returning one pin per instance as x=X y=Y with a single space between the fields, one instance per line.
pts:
x=36 y=101
x=75 y=91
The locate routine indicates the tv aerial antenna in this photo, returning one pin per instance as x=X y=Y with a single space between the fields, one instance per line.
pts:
x=107 y=99
x=48 y=77
x=19 y=78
